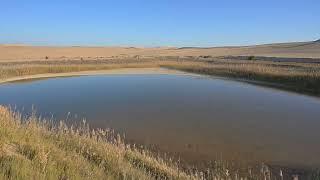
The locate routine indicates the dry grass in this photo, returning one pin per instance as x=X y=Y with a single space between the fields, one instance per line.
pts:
x=34 y=149
x=31 y=148
x=14 y=70
x=301 y=77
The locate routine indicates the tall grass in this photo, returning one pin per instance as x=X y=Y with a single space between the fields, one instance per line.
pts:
x=301 y=77
x=9 y=71
x=31 y=148
x=34 y=148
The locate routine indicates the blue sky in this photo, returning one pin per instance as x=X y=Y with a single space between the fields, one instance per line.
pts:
x=158 y=23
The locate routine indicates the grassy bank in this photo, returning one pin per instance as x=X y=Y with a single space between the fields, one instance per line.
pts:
x=35 y=149
x=31 y=148
x=299 y=77
x=15 y=70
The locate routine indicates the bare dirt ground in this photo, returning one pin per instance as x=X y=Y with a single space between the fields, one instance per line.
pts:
x=31 y=53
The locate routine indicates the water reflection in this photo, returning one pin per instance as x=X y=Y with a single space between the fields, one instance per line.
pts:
x=199 y=118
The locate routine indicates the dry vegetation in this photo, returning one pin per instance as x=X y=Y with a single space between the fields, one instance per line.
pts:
x=300 y=77
x=31 y=148
x=34 y=148
x=24 y=69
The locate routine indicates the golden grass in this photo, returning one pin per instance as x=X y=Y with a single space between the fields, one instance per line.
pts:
x=35 y=149
x=31 y=148
x=300 y=77
x=8 y=71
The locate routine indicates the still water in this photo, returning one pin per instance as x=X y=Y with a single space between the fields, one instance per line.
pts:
x=196 y=117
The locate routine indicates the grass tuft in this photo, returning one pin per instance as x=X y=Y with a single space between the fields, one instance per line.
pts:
x=32 y=149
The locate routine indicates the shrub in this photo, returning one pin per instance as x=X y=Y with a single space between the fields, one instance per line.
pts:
x=251 y=58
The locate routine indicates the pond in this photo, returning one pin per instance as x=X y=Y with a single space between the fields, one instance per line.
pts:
x=199 y=118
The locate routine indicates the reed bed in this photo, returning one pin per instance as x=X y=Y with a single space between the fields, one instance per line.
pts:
x=300 y=77
x=35 y=148
x=9 y=71
x=31 y=148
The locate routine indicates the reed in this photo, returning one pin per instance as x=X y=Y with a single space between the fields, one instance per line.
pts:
x=35 y=148
x=8 y=71
x=300 y=77
x=31 y=148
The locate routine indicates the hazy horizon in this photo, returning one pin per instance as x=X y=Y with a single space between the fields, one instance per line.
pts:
x=167 y=23
x=140 y=46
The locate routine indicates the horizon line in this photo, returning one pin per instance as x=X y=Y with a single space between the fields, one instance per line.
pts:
x=164 y=46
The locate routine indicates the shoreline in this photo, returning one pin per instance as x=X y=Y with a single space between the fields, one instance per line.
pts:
x=160 y=70
x=116 y=71
x=153 y=70
x=293 y=77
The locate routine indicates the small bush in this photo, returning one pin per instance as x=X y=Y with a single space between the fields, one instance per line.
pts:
x=206 y=57
x=251 y=58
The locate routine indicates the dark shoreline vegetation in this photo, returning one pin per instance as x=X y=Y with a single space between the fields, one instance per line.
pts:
x=35 y=148
x=309 y=85
x=293 y=76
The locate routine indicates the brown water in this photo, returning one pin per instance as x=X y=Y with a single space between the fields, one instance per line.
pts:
x=198 y=118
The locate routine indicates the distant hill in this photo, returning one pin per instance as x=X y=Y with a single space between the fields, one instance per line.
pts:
x=309 y=49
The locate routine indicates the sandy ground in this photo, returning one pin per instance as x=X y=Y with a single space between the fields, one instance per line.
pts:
x=25 y=53
x=102 y=72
